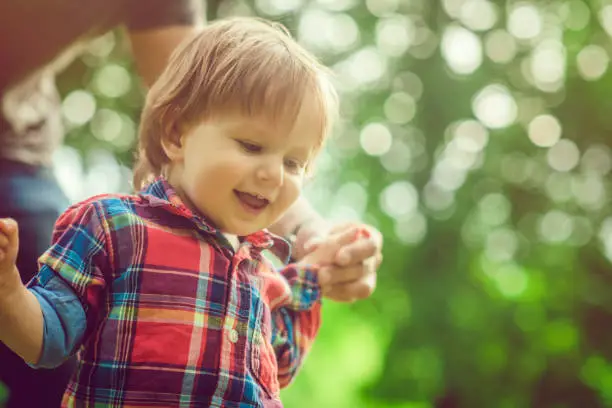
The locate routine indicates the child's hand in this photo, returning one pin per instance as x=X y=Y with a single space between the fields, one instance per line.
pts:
x=9 y=245
x=326 y=253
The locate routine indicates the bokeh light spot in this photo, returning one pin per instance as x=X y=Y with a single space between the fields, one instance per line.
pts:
x=495 y=107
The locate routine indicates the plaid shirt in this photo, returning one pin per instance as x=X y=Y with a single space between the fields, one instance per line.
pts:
x=176 y=316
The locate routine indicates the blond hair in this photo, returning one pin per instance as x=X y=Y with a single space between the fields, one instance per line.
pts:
x=240 y=65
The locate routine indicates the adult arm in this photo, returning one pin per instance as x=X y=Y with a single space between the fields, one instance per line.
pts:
x=156 y=28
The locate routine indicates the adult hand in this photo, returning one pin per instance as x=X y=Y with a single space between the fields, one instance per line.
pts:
x=353 y=274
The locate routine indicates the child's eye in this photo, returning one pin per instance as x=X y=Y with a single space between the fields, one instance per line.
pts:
x=249 y=147
x=294 y=165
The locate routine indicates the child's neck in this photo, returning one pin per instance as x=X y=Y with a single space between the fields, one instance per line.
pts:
x=172 y=181
x=232 y=239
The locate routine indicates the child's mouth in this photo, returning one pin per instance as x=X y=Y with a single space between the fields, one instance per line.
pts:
x=251 y=202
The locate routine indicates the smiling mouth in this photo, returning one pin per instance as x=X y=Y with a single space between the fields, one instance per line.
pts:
x=251 y=202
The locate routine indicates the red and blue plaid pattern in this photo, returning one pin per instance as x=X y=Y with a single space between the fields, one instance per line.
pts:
x=175 y=316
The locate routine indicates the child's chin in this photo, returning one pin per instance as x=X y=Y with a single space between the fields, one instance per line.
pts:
x=241 y=230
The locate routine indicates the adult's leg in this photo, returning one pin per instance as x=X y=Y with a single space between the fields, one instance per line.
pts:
x=31 y=196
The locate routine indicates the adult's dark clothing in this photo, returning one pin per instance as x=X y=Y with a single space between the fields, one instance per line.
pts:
x=36 y=38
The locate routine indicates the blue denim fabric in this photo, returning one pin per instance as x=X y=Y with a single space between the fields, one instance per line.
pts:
x=31 y=196
x=64 y=317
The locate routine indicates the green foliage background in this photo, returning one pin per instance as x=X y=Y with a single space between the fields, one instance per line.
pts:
x=475 y=135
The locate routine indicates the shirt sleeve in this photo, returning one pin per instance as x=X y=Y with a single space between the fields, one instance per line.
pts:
x=147 y=14
x=79 y=257
x=64 y=319
x=296 y=318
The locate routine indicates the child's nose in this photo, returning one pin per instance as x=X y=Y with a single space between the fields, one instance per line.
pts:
x=271 y=171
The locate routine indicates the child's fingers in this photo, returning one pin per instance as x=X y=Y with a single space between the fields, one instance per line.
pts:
x=9 y=234
x=327 y=250
x=351 y=291
x=312 y=244
x=343 y=238
x=4 y=241
x=355 y=252
x=333 y=275
x=7 y=226
x=366 y=245
x=350 y=235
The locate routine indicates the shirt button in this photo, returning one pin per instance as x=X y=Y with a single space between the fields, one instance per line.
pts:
x=233 y=336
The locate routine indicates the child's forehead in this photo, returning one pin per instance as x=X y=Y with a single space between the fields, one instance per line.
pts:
x=305 y=117
x=256 y=127
x=243 y=123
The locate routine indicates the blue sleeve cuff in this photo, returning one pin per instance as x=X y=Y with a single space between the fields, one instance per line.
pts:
x=64 y=319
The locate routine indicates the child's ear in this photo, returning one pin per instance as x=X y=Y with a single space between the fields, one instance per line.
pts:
x=173 y=143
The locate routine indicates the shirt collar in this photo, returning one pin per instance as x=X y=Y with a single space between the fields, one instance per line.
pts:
x=161 y=194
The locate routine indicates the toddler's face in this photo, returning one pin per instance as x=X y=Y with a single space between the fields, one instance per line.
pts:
x=242 y=173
